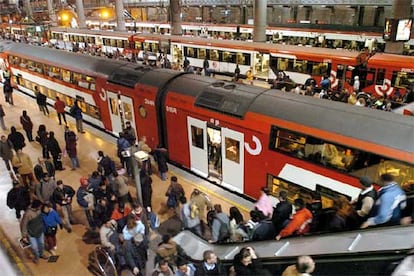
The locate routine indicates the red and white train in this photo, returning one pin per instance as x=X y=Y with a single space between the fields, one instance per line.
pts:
x=243 y=137
x=380 y=74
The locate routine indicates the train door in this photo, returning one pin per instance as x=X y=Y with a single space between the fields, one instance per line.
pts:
x=261 y=65
x=214 y=154
x=232 y=159
x=121 y=110
x=197 y=140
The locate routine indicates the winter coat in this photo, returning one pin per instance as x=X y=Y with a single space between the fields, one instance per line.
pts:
x=39 y=171
x=53 y=146
x=44 y=190
x=26 y=122
x=299 y=224
x=18 y=198
x=23 y=163
x=71 y=144
x=31 y=223
x=6 y=150
x=17 y=139
x=160 y=156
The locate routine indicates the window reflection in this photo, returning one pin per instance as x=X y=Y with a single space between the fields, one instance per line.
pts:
x=197 y=137
x=232 y=150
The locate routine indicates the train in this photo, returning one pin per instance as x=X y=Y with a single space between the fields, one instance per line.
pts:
x=242 y=137
x=380 y=74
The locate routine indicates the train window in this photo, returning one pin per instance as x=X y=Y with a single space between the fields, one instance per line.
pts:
x=23 y=63
x=380 y=77
x=31 y=65
x=190 y=52
x=232 y=150
x=50 y=93
x=202 y=53
x=197 y=137
x=127 y=109
x=114 y=106
x=66 y=75
x=94 y=111
x=214 y=55
x=54 y=72
x=229 y=57
x=402 y=79
x=294 y=191
x=120 y=43
x=14 y=60
x=137 y=45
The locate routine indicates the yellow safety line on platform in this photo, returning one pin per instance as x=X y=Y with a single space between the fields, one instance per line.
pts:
x=206 y=191
x=7 y=246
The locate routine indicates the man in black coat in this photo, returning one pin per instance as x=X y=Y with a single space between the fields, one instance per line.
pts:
x=18 y=198
x=210 y=265
x=282 y=212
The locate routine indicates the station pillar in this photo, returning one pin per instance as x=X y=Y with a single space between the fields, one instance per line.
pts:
x=175 y=10
x=28 y=9
x=51 y=11
x=400 y=9
x=260 y=14
x=119 y=10
x=81 y=14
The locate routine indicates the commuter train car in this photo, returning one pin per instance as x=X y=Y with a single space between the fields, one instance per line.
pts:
x=242 y=137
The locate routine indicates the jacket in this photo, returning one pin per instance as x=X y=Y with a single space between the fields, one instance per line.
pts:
x=31 y=224
x=218 y=228
x=63 y=196
x=299 y=224
x=48 y=168
x=120 y=186
x=23 y=163
x=389 y=205
x=51 y=219
x=6 y=150
x=60 y=106
x=26 y=122
x=105 y=233
x=186 y=217
x=45 y=189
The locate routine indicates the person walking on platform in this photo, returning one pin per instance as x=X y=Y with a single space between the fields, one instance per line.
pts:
x=146 y=189
x=31 y=227
x=106 y=166
x=123 y=150
x=130 y=133
x=41 y=100
x=16 y=138
x=142 y=144
x=18 y=198
x=51 y=220
x=41 y=138
x=174 y=192
x=71 y=142
x=27 y=125
x=86 y=200
x=389 y=205
x=60 y=110
x=2 y=115
x=62 y=196
x=54 y=149
x=44 y=190
x=6 y=151
x=76 y=112
x=8 y=92
x=160 y=156
x=24 y=166
x=43 y=166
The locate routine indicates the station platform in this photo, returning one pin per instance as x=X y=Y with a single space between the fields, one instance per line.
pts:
x=72 y=250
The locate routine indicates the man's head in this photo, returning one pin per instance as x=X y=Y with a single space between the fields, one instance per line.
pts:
x=282 y=195
x=209 y=257
x=387 y=179
x=299 y=204
x=365 y=181
x=3 y=138
x=305 y=264
x=182 y=265
x=59 y=183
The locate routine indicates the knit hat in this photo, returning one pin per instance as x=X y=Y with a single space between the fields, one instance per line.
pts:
x=83 y=181
x=366 y=181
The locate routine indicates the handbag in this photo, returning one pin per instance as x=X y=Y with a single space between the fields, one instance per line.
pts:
x=51 y=230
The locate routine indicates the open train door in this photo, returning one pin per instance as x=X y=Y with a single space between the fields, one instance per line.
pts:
x=197 y=140
x=114 y=112
x=233 y=159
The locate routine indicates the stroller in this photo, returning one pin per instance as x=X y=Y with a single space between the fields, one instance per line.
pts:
x=101 y=263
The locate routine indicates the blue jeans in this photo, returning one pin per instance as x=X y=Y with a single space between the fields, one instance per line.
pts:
x=75 y=162
x=37 y=245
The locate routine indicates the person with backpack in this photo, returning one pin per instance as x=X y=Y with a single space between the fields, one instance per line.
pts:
x=220 y=231
x=86 y=200
x=174 y=192
x=106 y=166
x=18 y=198
x=189 y=216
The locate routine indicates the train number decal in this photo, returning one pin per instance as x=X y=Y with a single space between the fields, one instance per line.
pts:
x=385 y=89
x=257 y=150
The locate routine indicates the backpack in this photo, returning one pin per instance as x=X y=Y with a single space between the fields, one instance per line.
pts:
x=194 y=210
x=224 y=232
x=12 y=197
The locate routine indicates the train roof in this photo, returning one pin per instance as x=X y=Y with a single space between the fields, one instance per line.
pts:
x=378 y=127
x=220 y=96
x=384 y=60
x=77 y=62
